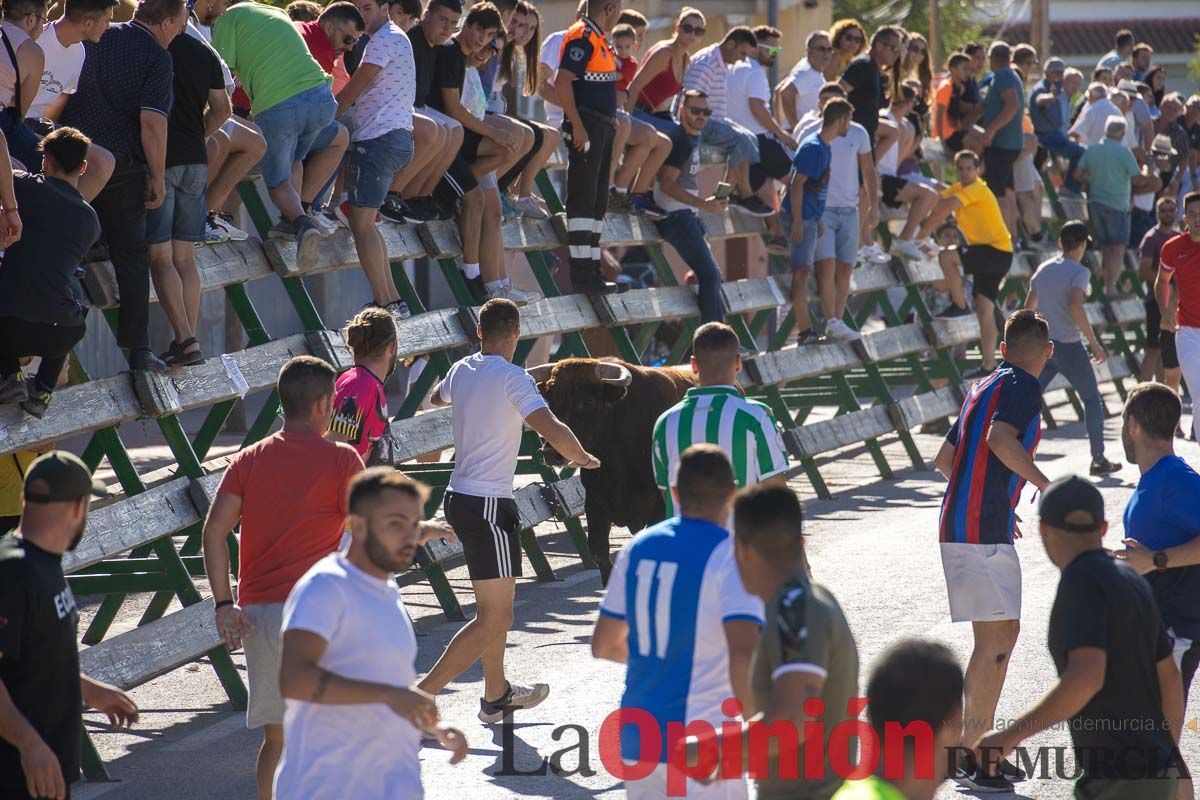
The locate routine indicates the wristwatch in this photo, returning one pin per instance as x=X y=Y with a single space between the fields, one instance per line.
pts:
x=1160 y=560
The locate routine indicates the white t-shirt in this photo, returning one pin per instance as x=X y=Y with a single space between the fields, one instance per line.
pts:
x=364 y=750
x=490 y=398
x=890 y=163
x=1093 y=118
x=808 y=83
x=747 y=81
x=204 y=34
x=60 y=75
x=843 y=167
x=551 y=56
x=386 y=104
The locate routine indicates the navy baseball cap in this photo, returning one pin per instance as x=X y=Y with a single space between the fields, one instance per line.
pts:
x=59 y=477
x=1072 y=504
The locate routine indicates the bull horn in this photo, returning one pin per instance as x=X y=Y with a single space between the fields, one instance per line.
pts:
x=613 y=373
x=541 y=372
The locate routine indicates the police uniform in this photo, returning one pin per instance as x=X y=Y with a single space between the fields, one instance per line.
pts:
x=587 y=54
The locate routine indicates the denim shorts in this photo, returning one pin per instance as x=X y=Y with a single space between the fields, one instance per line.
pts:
x=1110 y=225
x=839 y=242
x=800 y=256
x=291 y=129
x=373 y=164
x=181 y=217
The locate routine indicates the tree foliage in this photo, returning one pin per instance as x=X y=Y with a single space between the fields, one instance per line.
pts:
x=961 y=20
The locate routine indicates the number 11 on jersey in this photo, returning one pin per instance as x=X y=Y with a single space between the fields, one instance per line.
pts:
x=647 y=571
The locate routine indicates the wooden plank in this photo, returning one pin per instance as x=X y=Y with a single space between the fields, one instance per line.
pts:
x=420 y=435
x=571 y=497
x=873 y=277
x=142 y=654
x=895 y=342
x=431 y=332
x=751 y=295
x=1095 y=314
x=219 y=265
x=555 y=315
x=522 y=235
x=440 y=239
x=1128 y=311
x=630 y=230
x=535 y=504
x=925 y=270
x=210 y=382
x=953 y=332
x=930 y=406
x=652 y=305
x=798 y=363
x=813 y=439
x=137 y=520
x=77 y=409
x=338 y=251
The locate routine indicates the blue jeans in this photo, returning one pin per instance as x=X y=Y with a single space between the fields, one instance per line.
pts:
x=1072 y=360
x=1060 y=144
x=839 y=242
x=658 y=123
x=1110 y=226
x=684 y=231
x=739 y=144
x=182 y=215
x=291 y=128
x=801 y=256
x=373 y=164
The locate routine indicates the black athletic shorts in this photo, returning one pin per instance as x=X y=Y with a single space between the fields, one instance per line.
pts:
x=892 y=186
x=1153 y=320
x=458 y=179
x=470 y=145
x=987 y=266
x=954 y=143
x=772 y=158
x=998 y=169
x=489 y=529
x=1170 y=356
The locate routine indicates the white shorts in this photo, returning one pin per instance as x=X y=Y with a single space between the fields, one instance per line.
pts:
x=264 y=649
x=654 y=787
x=440 y=118
x=983 y=581
x=1025 y=175
x=1187 y=343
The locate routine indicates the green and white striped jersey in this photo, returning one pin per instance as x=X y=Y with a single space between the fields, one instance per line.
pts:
x=744 y=429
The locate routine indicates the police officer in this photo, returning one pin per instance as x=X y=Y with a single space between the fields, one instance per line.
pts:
x=587 y=88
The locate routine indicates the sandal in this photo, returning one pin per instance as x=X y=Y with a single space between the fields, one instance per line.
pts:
x=176 y=355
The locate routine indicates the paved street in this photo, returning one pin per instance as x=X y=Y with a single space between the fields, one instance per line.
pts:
x=874 y=545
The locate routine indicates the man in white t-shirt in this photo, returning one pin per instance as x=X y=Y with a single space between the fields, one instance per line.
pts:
x=852 y=176
x=62 y=44
x=549 y=58
x=381 y=93
x=490 y=398
x=797 y=94
x=354 y=717
x=1089 y=128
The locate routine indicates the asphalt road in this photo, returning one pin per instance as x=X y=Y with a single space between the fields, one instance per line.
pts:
x=874 y=545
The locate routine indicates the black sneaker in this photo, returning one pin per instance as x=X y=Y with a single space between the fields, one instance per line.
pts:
x=979 y=781
x=753 y=206
x=35 y=405
x=13 y=389
x=591 y=283
x=953 y=312
x=619 y=202
x=644 y=204
x=394 y=209
x=418 y=210
x=308 y=243
x=808 y=336
x=517 y=697
x=441 y=211
x=1102 y=466
x=477 y=289
x=142 y=359
x=1008 y=769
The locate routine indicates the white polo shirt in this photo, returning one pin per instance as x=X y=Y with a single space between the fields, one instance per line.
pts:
x=747 y=81
x=551 y=56
x=808 y=83
x=489 y=399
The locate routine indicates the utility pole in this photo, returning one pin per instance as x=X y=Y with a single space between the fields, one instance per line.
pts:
x=1039 y=28
x=935 y=36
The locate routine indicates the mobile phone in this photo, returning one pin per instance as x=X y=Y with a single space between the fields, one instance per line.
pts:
x=723 y=190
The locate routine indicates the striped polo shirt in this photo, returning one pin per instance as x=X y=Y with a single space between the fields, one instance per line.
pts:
x=982 y=492
x=720 y=415
x=707 y=71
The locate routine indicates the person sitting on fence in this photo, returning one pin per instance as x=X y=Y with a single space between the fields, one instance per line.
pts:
x=379 y=95
x=677 y=194
x=41 y=306
x=952 y=122
x=898 y=192
x=803 y=207
x=853 y=181
x=199 y=108
x=708 y=71
x=289 y=493
x=1088 y=129
x=797 y=94
x=987 y=255
x=62 y=44
x=1049 y=108
x=294 y=107
x=20 y=75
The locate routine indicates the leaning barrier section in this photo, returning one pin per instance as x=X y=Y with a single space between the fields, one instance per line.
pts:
x=145 y=539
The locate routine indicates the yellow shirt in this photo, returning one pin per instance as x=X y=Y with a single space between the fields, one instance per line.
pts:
x=979 y=219
x=12 y=481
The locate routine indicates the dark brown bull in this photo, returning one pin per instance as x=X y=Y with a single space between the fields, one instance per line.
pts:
x=611 y=406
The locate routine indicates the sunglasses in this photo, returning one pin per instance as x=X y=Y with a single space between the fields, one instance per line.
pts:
x=823 y=49
x=348 y=40
x=771 y=51
x=919 y=50
x=854 y=37
x=702 y=112
x=691 y=30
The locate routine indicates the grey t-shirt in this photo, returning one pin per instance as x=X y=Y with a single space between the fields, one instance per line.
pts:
x=1053 y=282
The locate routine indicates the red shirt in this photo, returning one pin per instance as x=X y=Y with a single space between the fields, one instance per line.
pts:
x=627 y=68
x=318 y=44
x=1181 y=255
x=295 y=499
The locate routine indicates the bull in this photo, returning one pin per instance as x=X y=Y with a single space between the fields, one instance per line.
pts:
x=611 y=406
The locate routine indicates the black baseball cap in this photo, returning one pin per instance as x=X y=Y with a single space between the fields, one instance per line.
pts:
x=1073 y=233
x=59 y=477
x=1072 y=504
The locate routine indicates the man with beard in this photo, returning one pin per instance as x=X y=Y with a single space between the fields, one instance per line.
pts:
x=41 y=688
x=288 y=492
x=354 y=714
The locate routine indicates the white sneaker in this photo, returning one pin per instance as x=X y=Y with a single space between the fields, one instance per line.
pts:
x=874 y=252
x=929 y=247
x=836 y=329
x=214 y=234
x=399 y=310
x=518 y=296
x=530 y=209
x=906 y=248
x=325 y=223
x=224 y=221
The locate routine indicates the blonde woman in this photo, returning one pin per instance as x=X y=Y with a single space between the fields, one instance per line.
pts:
x=659 y=78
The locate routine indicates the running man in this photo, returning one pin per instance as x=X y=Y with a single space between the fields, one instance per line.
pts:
x=490 y=398
x=1179 y=262
x=715 y=412
x=987 y=458
x=684 y=670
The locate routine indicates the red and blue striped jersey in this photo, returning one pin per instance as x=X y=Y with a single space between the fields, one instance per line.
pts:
x=982 y=493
